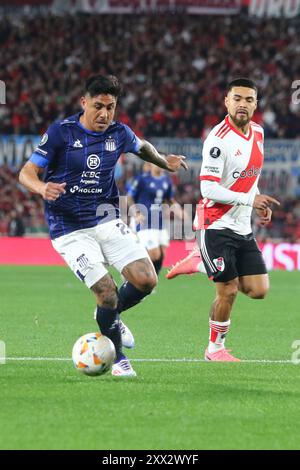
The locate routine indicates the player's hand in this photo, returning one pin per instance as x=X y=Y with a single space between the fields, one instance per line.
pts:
x=52 y=191
x=175 y=162
x=264 y=216
x=262 y=201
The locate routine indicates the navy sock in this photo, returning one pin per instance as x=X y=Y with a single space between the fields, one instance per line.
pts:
x=158 y=264
x=129 y=296
x=108 y=321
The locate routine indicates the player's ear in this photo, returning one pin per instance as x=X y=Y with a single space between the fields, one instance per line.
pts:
x=83 y=102
x=226 y=101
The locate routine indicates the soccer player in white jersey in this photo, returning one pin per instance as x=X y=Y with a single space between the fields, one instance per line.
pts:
x=232 y=162
x=82 y=204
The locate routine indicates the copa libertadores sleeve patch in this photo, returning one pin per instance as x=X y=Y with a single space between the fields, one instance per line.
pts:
x=215 y=152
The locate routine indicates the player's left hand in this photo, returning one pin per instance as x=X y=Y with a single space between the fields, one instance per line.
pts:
x=264 y=215
x=175 y=162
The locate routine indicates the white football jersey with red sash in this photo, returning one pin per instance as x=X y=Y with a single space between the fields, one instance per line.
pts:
x=234 y=161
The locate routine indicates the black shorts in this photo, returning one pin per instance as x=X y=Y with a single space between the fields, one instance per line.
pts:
x=227 y=255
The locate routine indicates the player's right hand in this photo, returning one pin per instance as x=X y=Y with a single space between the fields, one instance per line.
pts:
x=175 y=162
x=262 y=201
x=52 y=191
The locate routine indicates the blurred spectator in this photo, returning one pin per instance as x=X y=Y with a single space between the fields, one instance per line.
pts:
x=18 y=207
x=16 y=226
x=285 y=224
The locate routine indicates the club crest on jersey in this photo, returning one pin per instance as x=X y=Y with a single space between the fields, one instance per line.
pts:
x=110 y=145
x=215 y=152
x=219 y=263
x=43 y=140
x=93 y=161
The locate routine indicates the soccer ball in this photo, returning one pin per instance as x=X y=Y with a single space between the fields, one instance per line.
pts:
x=93 y=354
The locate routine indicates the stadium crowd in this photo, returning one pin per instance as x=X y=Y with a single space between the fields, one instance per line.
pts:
x=20 y=210
x=174 y=69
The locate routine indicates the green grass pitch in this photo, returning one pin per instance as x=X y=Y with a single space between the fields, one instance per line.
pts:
x=170 y=405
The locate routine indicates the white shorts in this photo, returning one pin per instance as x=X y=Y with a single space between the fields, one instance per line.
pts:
x=154 y=238
x=86 y=251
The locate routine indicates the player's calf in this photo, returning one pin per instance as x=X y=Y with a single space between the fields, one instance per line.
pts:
x=105 y=291
x=222 y=305
x=107 y=314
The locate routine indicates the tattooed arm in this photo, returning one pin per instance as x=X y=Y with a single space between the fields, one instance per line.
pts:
x=170 y=162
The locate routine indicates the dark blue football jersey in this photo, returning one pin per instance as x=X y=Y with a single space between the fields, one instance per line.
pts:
x=86 y=161
x=151 y=192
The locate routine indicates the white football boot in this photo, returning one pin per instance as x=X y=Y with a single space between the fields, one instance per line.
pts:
x=127 y=336
x=123 y=368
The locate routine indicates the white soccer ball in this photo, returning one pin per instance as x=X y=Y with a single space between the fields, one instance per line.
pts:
x=93 y=354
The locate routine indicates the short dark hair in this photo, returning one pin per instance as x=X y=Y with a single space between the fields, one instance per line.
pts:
x=245 y=82
x=103 y=85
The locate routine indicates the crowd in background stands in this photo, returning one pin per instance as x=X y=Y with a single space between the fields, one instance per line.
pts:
x=19 y=209
x=285 y=224
x=174 y=69
x=22 y=213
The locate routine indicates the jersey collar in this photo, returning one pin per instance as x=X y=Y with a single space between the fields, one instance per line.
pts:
x=87 y=131
x=236 y=131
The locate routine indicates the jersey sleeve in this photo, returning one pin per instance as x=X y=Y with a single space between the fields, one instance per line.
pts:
x=132 y=143
x=217 y=193
x=213 y=154
x=49 y=145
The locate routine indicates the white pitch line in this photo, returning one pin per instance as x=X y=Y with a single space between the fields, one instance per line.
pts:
x=37 y=359
x=65 y=359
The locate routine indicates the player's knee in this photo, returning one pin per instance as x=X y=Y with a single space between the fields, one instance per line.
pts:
x=229 y=292
x=147 y=282
x=232 y=288
x=155 y=254
x=258 y=293
x=141 y=274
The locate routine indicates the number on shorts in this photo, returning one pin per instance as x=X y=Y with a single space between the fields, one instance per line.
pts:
x=124 y=229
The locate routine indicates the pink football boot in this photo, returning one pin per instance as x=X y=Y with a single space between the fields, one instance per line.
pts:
x=221 y=356
x=188 y=265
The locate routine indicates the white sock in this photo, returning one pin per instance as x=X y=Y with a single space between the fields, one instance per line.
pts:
x=201 y=267
x=217 y=335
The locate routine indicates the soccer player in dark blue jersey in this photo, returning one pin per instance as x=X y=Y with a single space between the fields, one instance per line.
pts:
x=82 y=203
x=150 y=192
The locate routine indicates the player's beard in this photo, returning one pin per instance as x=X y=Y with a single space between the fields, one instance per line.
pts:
x=240 y=122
